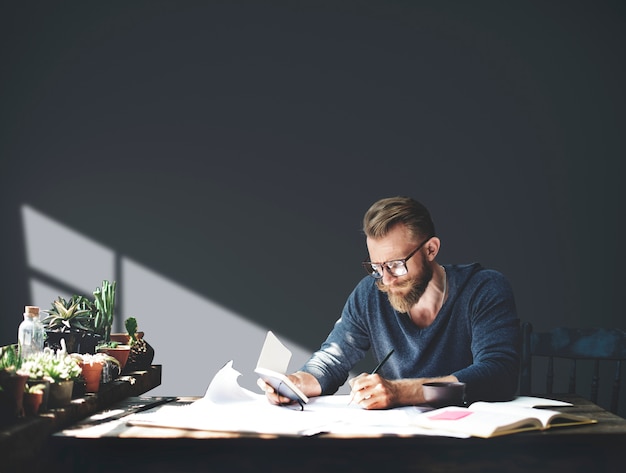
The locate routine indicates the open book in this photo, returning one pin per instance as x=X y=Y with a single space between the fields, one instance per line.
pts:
x=492 y=419
x=272 y=365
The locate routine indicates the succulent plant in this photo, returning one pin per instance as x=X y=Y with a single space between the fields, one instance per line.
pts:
x=9 y=359
x=131 y=329
x=104 y=302
x=74 y=315
x=51 y=365
x=34 y=388
x=141 y=354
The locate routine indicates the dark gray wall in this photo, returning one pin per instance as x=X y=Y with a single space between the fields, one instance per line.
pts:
x=233 y=146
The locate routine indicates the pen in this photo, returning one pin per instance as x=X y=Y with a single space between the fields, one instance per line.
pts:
x=375 y=370
x=382 y=362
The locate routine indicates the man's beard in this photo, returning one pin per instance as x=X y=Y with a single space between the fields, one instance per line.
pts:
x=401 y=300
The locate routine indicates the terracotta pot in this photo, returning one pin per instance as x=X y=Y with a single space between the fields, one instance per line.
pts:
x=120 y=353
x=32 y=402
x=13 y=392
x=60 y=393
x=92 y=373
x=46 y=392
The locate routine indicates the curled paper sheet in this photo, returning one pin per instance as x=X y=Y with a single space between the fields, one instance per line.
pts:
x=224 y=387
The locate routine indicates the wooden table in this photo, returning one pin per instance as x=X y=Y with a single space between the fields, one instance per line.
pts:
x=24 y=443
x=590 y=448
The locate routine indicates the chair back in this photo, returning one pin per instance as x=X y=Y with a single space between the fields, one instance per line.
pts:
x=574 y=344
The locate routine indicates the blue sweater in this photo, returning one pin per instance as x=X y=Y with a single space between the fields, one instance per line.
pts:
x=475 y=336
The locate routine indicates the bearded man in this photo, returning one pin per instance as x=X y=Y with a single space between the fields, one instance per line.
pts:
x=443 y=322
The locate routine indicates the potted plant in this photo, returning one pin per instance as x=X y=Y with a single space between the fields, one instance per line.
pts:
x=71 y=320
x=91 y=369
x=9 y=359
x=141 y=353
x=59 y=368
x=12 y=382
x=104 y=302
x=110 y=367
x=33 y=398
x=116 y=350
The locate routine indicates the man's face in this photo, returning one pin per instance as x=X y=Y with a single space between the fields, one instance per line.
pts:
x=403 y=291
x=407 y=290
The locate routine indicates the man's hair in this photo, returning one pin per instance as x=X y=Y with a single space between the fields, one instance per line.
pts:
x=386 y=213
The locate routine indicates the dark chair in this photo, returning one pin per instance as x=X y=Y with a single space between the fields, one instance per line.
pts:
x=597 y=345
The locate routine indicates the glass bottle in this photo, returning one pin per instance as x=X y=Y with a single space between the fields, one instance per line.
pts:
x=31 y=333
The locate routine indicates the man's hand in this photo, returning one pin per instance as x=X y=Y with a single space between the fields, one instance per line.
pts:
x=304 y=381
x=272 y=395
x=371 y=391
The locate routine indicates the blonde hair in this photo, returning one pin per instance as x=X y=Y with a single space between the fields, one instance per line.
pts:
x=386 y=213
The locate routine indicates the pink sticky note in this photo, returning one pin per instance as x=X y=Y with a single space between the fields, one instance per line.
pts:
x=450 y=415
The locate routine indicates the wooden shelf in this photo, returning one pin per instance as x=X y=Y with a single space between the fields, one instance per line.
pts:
x=24 y=442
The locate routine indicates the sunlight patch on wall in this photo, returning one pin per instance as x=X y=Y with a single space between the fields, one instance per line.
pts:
x=42 y=294
x=193 y=337
x=64 y=254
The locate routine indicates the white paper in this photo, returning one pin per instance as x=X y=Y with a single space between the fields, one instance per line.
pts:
x=224 y=387
x=228 y=407
x=274 y=355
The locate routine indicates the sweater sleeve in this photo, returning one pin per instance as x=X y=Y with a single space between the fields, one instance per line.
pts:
x=494 y=326
x=345 y=346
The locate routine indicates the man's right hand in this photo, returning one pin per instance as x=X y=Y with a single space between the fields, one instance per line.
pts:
x=306 y=382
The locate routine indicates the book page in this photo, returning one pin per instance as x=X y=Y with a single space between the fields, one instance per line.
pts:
x=547 y=417
x=542 y=415
x=478 y=423
x=530 y=401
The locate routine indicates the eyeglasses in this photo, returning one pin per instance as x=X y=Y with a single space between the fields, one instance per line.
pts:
x=396 y=267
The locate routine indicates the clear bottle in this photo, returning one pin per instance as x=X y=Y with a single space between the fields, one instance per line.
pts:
x=30 y=334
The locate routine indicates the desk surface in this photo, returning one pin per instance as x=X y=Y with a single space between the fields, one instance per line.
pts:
x=598 y=447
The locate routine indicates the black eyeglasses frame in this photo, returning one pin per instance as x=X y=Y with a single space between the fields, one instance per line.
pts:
x=400 y=263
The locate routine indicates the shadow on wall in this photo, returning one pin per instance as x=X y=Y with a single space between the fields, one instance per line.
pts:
x=193 y=337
